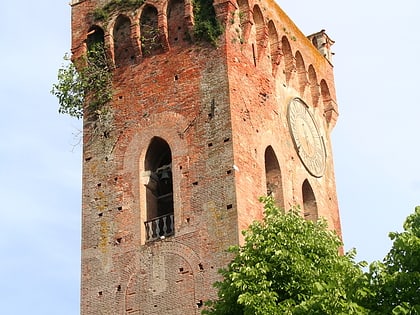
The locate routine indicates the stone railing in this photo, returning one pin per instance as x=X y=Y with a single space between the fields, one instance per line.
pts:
x=159 y=227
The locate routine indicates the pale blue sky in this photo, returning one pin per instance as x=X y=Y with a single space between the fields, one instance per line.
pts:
x=375 y=142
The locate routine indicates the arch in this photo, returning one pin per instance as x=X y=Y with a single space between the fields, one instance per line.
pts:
x=124 y=52
x=159 y=190
x=149 y=31
x=310 y=208
x=289 y=61
x=273 y=40
x=259 y=32
x=244 y=19
x=177 y=27
x=329 y=108
x=95 y=36
x=301 y=73
x=273 y=177
x=314 y=86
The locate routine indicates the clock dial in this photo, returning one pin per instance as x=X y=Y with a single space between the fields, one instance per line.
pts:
x=305 y=134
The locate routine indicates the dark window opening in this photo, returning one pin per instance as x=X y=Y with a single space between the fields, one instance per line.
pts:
x=310 y=209
x=159 y=191
x=273 y=177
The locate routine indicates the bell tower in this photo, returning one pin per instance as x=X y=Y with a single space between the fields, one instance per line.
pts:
x=214 y=104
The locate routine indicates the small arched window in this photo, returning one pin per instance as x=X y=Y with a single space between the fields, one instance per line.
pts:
x=310 y=208
x=159 y=190
x=177 y=28
x=95 y=37
x=273 y=177
x=123 y=48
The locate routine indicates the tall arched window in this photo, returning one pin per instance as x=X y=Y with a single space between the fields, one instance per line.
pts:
x=310 y=208
x=289 y=60
x=273 y=177
x=159 y=190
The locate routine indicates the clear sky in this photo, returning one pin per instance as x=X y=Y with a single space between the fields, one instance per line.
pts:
x=376 y=145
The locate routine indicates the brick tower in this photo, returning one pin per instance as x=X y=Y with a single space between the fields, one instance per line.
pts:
x=194 y=134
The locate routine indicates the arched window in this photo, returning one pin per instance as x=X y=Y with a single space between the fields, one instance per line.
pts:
x=310 y=208
x=301 y=72
x=95 y=37
x=273 y=40
x=159 y=190
x=123 y=48
x=313 y=82
x=258 y=47
x=149 y=31
x=177 y=28
x=273 y=177
x=289 y=60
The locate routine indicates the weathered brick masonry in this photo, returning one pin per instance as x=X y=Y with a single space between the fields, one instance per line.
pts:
x=195 y=134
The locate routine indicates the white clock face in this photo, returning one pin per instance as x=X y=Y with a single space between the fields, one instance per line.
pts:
x=306 y=137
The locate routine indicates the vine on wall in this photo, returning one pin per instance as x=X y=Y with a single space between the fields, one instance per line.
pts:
x=206 y=25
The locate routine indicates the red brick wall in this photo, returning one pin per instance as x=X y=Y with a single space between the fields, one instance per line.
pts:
x=218 y=108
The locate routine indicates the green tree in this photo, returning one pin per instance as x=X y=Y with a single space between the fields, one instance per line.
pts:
x=88 y=86
x=288 y=265
x=396 y=280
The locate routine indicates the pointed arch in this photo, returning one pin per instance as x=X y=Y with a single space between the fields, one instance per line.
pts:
x=177 y=26
x=124 y=52
x=314 y=86
x=159 y=190
x=289 y=60
x=301 y=73
x=244 y=19
x=273 y=40
x=273 y=177
x=310 y=208
x=149 y=31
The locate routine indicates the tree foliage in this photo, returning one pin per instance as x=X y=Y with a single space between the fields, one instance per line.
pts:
x=290 y=266
x=396 y=280
x=87 y=86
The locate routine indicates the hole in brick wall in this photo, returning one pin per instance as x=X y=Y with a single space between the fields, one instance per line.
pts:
x=200 y=265
x=257 y=131
x=229 y=172
x=195 y=183
x=100 y=293
x=116 y=179
x=100 y=214
x=119 y=288
x=99 y=185
x=106 y=134
x=118 y=241
x=188 y=220
x=155 y=305
x=211 y=267
x=180 y=167
x=88 y=159
x=210 y=144
x=120 y=97
x=181 y=269
x=106 y=159
x=119 y=208
x=226 y=139
x=176 y=77
x=229 y=206
x=200 y=303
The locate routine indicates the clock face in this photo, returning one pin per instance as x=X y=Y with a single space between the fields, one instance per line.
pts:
x=305 y=133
